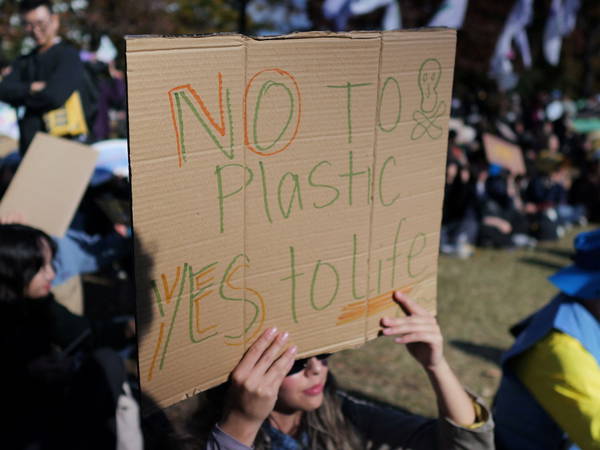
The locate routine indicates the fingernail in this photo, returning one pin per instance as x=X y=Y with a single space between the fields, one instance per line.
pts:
x=293 y=349
x=284 y=336
x=271 y=331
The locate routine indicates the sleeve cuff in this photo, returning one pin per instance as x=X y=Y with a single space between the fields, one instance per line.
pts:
x=483 y=416
x=225 y=441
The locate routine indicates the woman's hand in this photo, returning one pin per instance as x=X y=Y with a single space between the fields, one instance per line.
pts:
x=419 y=330
x=255 y=385
x=421 y=333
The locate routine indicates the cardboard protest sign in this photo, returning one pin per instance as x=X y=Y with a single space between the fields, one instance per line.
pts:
x=50 y=182
x=290 y=182
x=503 y=153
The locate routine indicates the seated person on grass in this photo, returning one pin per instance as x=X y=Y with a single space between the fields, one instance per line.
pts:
x=549 y=397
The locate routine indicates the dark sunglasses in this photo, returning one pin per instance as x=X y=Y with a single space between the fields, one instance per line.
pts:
x=301 y=364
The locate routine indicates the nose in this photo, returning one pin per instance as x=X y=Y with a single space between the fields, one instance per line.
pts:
x=314 y=366
x=50 y=272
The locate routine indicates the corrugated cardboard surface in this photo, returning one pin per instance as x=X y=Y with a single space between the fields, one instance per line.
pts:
x=292 y=181
x=50 y=182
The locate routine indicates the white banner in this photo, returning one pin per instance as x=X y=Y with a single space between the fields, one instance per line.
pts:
x=501 y=67
x=561 y=22
x=451 y=14
x=341 y=10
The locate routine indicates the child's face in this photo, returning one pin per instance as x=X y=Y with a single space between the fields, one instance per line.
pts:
x=41 y=283
x=303 y=391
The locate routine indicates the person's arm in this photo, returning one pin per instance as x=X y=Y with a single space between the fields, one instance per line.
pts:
x=564 y=378
x=388 y=427
x=13 y=89
x=421 y=333
x=255 y=385
x=503 y=225
x=65 y=79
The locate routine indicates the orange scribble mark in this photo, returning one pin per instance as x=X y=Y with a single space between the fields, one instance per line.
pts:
x=245 y=111
x=197 y=313
x=261 y=319
x=219 y=127
x=176 y=128
x=156 y=349
x=169 y=292
x=358 y=310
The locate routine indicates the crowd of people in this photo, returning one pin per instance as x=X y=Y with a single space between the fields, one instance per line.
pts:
x=556 y=187
x=68 y=377
x=65 y=377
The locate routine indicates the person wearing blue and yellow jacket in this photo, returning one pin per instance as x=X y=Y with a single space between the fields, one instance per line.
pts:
x=549 y=396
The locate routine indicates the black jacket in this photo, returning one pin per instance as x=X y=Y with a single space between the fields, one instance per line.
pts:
x=62 y=70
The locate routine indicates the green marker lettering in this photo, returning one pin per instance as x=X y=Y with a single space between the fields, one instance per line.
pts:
x=314 y=282
x=296 y=193
x=221 y=196
x=292 y=277
x=351 y=174
x=327 y=186
x=263 y=179
x=194 y=296
x=349 y=86
x=381 y=173
x=354 y=254
x=416 y=253
x=382 y=93
x=263 y=90
x=395 y=254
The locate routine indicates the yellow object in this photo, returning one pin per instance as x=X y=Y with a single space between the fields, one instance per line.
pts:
x=69 y=119
x=481 y=416
x=564 y=378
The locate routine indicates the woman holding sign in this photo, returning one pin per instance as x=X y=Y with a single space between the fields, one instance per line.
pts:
x=275 y=402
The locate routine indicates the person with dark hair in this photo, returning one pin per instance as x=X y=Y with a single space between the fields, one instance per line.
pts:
x=549 y=396
x=44 y=79
x=46 y=353
x=272 y=401
x=459 y=219
x=503 y=224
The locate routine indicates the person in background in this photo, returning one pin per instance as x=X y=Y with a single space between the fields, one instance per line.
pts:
x=275 y=402
x=459 y=219
x=44 y=79
x=503 y=223
x=60 y=381
x=549 y=396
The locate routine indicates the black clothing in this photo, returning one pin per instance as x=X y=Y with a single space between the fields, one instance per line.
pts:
x=62 y=70
x=29 y=331
x=57 y=400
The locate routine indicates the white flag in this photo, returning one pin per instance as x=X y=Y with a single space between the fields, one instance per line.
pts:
x=500 y=67
x=561 y=21
x=338 y=11
x=341 y=10
x=280 y=18
x=451 y=14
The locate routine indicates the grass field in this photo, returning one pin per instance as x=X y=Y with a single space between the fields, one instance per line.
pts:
x=478 y=300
